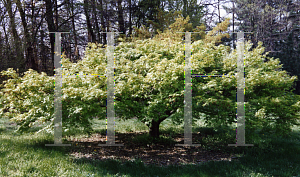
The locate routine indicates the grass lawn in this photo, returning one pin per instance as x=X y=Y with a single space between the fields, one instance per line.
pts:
x=26 y=154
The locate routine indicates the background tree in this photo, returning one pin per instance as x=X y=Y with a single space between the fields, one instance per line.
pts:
x=31 y=58
x=287 y=47
x=273 y=23
x=16 y=61
x=85 y=20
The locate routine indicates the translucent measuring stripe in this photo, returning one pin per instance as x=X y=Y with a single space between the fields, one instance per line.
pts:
x=57 y=97
x=240 y=94
x=110 y=123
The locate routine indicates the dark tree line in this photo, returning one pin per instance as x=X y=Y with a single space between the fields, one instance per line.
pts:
x=25 y=43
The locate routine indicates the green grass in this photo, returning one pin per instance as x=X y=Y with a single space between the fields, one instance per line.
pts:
x=26 y=155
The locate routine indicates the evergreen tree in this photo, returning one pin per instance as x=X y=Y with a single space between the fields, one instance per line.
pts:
x=289 y=57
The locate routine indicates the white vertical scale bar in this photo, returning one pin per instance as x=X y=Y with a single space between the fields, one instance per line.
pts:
x=57 y=99
x=188 y=94
x=110 y=110
x=240 y=136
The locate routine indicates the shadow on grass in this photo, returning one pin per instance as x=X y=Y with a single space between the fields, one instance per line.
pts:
x=270 y=156
x=137 y=168
x=272 y=164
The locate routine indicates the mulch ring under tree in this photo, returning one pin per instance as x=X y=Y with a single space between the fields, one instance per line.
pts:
x=157 y=154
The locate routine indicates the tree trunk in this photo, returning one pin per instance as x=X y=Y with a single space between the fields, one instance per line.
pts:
x=154 y=129
x=7 y=48
x=51 y=28
x=91 y=37
x=74 y=32
x=19 y=62
x=95 y=17
x=56 y=15
x=103 y=26
x=35 y=61
x=121 y=18
x=130 y=23
x=43 y=54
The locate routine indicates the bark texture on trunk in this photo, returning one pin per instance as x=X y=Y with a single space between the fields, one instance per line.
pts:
x=91 y=36
x=154 y=128
x=51 y=28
